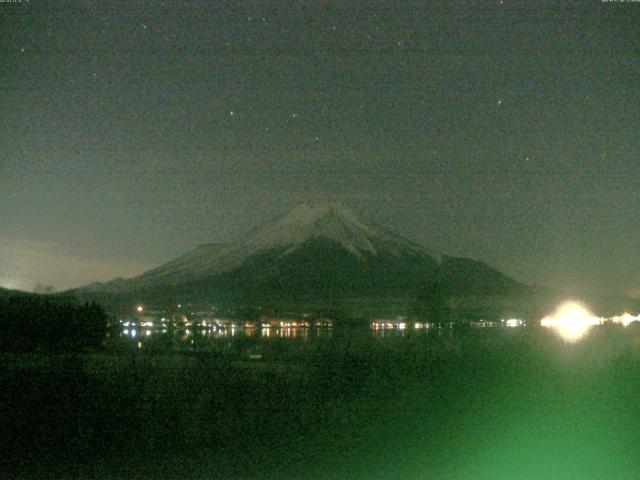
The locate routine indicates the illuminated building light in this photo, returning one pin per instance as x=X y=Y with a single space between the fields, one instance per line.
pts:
x=571 y=321
x=625 y=319
x=513 y=322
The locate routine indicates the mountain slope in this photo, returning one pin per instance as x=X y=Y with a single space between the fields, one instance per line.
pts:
x=281 y=237
x=459 y=274
x=317 y=252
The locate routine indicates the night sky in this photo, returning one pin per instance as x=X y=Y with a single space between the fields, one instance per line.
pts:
x=505 y=131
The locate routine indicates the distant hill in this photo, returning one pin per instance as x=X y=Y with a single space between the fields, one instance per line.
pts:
x=324 y=254
x=4 y=292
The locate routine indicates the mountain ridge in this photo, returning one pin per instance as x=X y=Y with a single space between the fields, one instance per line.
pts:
x=288 y=231
x=322 y=252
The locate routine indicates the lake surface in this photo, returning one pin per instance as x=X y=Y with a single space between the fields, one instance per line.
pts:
x=202 y=334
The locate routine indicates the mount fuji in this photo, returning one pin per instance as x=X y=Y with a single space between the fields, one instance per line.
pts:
x=315 y=252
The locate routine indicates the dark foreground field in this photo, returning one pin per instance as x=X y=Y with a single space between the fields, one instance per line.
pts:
x=502 y=405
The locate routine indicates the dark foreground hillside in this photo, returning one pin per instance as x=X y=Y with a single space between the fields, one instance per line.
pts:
x=484 y=406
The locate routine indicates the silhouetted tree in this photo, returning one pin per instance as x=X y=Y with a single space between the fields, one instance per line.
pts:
x=35 y=322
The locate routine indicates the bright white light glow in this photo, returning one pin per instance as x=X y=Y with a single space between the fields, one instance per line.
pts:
x=571 y=321
x=139 y=308
x=625 y=319
x=514 y=322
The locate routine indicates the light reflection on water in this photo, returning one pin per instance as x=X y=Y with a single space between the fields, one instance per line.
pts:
x=572 y=322
x=267 y=332
x=184 y=334
x=289 y=344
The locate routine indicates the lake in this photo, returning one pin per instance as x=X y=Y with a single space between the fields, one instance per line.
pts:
x=203 y=335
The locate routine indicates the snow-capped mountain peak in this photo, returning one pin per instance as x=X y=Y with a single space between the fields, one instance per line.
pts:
x=316 y=251
x=328 y=220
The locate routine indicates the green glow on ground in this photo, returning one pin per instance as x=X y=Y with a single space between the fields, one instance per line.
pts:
x=523 y=406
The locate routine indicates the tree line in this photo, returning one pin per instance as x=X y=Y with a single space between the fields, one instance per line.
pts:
x=35 y=322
